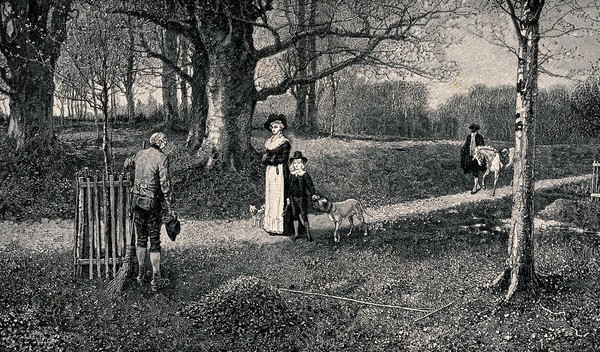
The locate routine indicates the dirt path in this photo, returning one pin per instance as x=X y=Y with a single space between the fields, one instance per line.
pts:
x=50 y=235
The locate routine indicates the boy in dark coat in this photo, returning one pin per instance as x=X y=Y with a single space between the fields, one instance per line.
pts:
x=301 y=189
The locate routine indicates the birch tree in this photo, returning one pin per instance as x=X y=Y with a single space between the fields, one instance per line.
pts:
x=527 y=16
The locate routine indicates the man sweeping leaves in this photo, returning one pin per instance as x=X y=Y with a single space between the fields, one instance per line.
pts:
x=152 y=198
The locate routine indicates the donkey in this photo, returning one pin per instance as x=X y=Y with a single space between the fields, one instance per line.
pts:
x=495 y=161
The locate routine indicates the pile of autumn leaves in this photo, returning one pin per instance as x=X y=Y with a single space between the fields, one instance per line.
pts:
x=242 y=306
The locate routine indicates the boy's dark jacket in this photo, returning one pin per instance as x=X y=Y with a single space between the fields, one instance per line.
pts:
x=301 y=185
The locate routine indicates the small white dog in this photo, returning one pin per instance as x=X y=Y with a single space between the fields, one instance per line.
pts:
x=257 y=215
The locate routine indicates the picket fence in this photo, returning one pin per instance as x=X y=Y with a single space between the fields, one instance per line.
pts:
x=102 y=222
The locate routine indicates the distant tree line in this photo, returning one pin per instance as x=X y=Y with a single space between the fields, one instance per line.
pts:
x=561 y=118
x=400 y=110
x=105 y=55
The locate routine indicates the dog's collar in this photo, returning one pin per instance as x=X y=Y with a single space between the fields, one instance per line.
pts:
x=329 y=207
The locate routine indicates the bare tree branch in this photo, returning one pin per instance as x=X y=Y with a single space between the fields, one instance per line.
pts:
x=173 y=65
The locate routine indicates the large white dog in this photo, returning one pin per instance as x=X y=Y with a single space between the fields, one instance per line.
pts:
x=339 y=211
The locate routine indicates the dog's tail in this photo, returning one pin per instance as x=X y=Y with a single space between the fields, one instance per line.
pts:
x=362 y=208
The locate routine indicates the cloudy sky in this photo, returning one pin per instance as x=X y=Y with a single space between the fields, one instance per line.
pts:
x=481 y=62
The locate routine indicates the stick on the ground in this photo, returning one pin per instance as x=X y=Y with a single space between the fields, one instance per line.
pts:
x=435 y=311
x=356 y=301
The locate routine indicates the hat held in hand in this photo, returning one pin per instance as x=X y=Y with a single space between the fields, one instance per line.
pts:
x=173 y=227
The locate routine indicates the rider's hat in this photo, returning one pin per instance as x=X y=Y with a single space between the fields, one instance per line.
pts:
x=474 y=127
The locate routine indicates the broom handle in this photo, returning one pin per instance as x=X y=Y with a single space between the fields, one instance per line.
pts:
x=132 y=226
x=132 y=218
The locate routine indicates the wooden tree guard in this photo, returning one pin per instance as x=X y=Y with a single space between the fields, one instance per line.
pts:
x=595 y=186
x=102 y=226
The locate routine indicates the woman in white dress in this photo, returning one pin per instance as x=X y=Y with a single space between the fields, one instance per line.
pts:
x=277 y=153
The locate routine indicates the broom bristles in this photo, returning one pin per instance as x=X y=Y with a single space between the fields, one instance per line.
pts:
x=118 y=282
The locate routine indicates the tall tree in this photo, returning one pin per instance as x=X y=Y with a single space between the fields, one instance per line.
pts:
x=184 y=54
x=193 y=70
x=525 y=15
x=31 y=37
x=130 y=72
x=306 y=65
x=227 y=28
x=95 y=51
x=519 y=268
x=169 y=77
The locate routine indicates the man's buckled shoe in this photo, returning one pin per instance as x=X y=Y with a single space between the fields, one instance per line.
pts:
x=158 y=283
x=141 y=278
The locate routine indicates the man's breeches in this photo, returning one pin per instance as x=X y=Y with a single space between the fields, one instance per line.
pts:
x=147 y=225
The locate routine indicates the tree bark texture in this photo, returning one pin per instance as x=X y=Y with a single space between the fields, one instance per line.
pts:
x=169 y=78
x=31 y=53
x=199 y=103
x=130 y=73
x=520 y=269
x=231 y=96
x=31 y=102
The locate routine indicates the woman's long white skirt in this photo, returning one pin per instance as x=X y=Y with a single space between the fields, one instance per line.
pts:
x=274 y=199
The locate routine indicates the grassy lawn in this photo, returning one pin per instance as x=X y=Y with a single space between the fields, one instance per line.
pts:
x=377 y=173
x=227 y=297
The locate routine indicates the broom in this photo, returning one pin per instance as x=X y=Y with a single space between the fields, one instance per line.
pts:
x=118 y=282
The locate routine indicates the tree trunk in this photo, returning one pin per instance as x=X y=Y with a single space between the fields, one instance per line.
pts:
x=311 y=102
x=300 y=122
x=231 y=97
x=183 y=85
x=199 y=106
x=519 y=272
x=169 y=79
x=105 y=133
x=31 y=102
x=333 y=83
x=306 y=99
x=130 y=74
x=38 y=30
x=113 y=104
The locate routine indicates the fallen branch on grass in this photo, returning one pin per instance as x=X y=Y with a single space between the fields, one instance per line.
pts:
x=551 y=312
x=356 y=301
x=435 y=311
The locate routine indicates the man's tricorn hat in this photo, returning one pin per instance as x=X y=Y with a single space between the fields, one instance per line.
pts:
x=474 y=127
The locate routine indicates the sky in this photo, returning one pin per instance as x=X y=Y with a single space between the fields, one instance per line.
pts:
x=481 y=62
